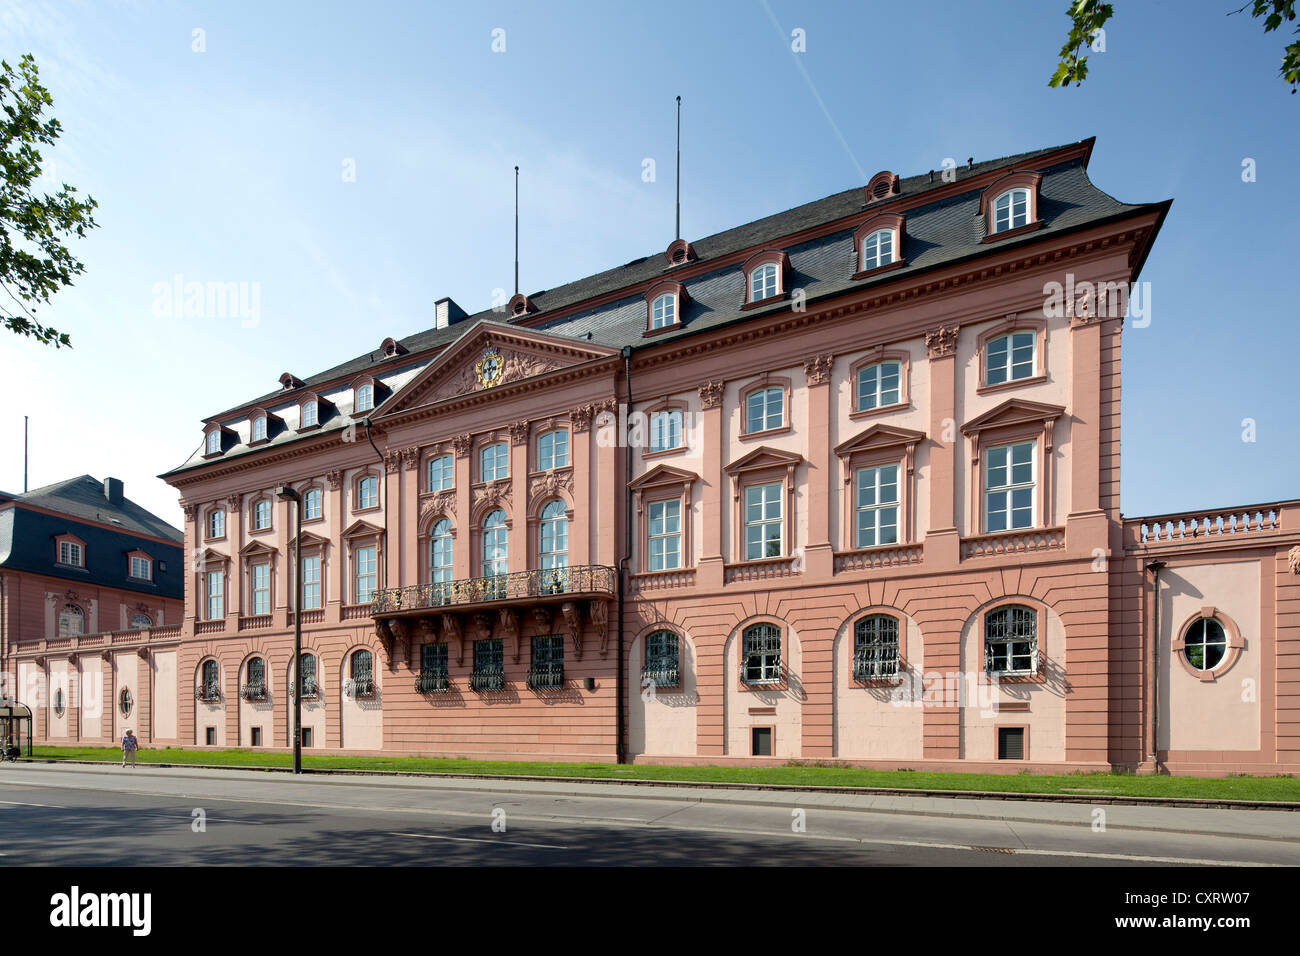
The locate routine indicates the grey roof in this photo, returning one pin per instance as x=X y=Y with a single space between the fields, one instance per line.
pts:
x=83 y=497
x=940 y=233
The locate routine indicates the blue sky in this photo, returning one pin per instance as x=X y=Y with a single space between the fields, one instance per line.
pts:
x=227 y=165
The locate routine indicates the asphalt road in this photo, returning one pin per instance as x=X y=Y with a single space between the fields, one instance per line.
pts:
x=59 y=815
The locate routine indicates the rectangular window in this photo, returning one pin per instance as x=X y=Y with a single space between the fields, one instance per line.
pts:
x=494 y=462
x=489 y=666
x=368 y=492
x=764 y=409
x=311 y=504
x=879 y=386
x=876 y=521
x=306 y=736
x=262 y=515
x=1009 y=487
x=1010 y=357
x=875 y=648
x=760 y=741
x=69 y=553
x=761 y=654
x=666 y=429
x=663 y=312
x=1011 y=743
x=211 y=736
x=217 y=524
x=764 y=528
x=261 y=589
x=257 y=736
x=442 y=473
x=553 y=450
x=1011 y=641
x=216 y=603
x=665 y=535
x=311 y=596
x=142 y=568
x=433 y=677
x=367 y=574
x=547 y=670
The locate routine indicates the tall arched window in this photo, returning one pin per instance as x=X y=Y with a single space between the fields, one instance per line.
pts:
x=440 y=552
x=878 y=249
x=363 y=675
x=1011 y=210
x=663 y=311
x=553 y=547
x=210 y=682
x=365 y=398
x=875 y=648
x=1011 y=640
x=72 y=620
x=307 y=680
x=495 y=552
x=309 y=418
x=760 y=654
x=255 y=686
x=762 y=282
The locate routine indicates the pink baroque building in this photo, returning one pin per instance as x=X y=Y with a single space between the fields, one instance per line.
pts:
x=840 y=484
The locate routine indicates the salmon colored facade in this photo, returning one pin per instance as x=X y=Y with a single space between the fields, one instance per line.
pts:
x=840 y=485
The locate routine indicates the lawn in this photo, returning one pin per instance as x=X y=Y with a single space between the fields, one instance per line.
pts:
x=792 y=774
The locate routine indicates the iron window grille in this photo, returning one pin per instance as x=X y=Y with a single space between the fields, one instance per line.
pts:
x=761 y=658
x=875 y=648
x=1011 y=641
x=209 y=691
x=547 y=669
x=662 y=665
x=307 y=684
x=363 y=679
x=125 y=702
x=489 y=666
x=433 y=677
x=253 y=691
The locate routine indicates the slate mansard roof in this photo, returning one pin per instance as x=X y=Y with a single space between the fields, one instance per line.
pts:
x=943 y=232
x=81 y=509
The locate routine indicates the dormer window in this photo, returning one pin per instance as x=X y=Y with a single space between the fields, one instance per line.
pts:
x=365 y=398
x=763 y=282
x=879 y=243
x=663 y=311
x=1010 y=205
x=259 y=428
x=71 y=553
x=141 y=567
x=878 y=249
x=1011 y=210
x=214 y=442
x=309 y=415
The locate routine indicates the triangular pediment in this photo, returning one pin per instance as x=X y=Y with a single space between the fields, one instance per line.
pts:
x=523 y=354
x=880 y=436
x=663 y=475
x=361 y=529
x=256 y=547
x=310 y=540
x=1014 y=411
x=764 y=457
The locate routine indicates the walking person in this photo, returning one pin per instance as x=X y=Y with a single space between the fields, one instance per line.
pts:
x=129 y=746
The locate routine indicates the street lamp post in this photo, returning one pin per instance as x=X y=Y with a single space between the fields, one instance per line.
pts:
x=285 y=493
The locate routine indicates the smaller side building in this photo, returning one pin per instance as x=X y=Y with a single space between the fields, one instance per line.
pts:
x=94 y=585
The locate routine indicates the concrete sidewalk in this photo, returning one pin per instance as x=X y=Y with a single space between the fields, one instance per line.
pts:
x=1270 y=825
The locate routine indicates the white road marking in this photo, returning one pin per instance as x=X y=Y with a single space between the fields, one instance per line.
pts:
x=16 y=803
x=430 y=836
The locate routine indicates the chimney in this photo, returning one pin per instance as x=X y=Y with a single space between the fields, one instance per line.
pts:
x=113 y=490
x=448 y=312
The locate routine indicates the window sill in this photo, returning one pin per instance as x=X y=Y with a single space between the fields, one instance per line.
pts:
x=1016 y=677
x=879 y=270
x=651 y=333
x=365 y=511
x=1011 y=233
x=767 y=433
x=1013 y=383
x=664 y=452
x=260 y=530
x=770 y=300
x=71 y=567
x=759 y=687
x=880 y=410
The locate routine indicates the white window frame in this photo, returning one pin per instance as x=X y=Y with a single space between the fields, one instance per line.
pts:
x=553 y=537
x=308 y=512
x=217 y=514
x=310 y=415
x=765 y=392
x=764 y=282
x=1011 y=368
x=495 y=544
x=66 y=614
x=215 y=594
x=868 y=517
x=365 y=573
x=1002 y=457
x=258 y=432
x=214 y=441
x=1005 y=214
x=877 y=249
x=364 y=501
x=664 y=535
x=879 y=395
x=666 y=429
x=444 y=466
x=440 y=552
x=500 y=456
x=365 y=398
x=311 y=582
x=876 y=647
x=768 y=664
x=663 y=311
x=553 y=449
x=765 y=495
x=71 y=554
x=143 y=565
x=1001 y=662
x=259 y=579
x=257 y=524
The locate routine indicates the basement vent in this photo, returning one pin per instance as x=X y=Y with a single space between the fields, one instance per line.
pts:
x=761 y=738
x=1011 y=743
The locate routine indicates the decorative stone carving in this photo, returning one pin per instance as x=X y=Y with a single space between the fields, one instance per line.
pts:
x=818 y=369
x=384 y=635
x=550 y=485
x=510 y=628
x=581 y=418
x=190 y=510
x=235 y=501
x=451 y=632
x=483 y=625
x=1293 y=559
x=573 y=623
x=542 y=619
x=428 y=629
x=942 y=341
x=106 y=655
x=462 y=444
x=515 y=366
x=335 y=478
x=392 y=459
x=410 y=458
x=711 y=394
x=442 y=503
x=599 y=611
x=519 y=433
x=492 y=494
x=142 y=653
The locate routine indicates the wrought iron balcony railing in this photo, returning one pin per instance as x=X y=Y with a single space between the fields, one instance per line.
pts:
x=309 y=688
x=209 y=692
x=254 y=691
x=433 y=681
x=487 y=680
x=543 y=676
x=869 y=668
x=363 y=687
x=517 y=585
x=661 y=675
